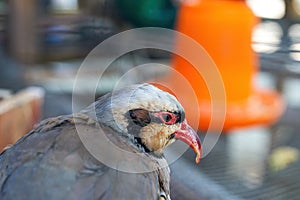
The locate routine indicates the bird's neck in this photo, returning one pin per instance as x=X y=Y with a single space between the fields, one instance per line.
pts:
x=138 y=142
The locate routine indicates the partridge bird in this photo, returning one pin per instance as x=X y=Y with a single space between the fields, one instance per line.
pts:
x=53 y=162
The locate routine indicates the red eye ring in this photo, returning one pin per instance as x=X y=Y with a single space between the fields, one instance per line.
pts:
x=166 y=117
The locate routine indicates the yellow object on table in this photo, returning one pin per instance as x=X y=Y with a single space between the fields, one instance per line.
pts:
x=282 y=157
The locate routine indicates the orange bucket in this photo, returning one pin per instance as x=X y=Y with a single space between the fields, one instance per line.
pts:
x=224 y=29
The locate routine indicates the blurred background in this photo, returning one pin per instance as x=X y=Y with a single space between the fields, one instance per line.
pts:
x=44 y=42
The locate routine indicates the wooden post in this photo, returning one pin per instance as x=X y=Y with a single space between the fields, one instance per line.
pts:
x=22 y=32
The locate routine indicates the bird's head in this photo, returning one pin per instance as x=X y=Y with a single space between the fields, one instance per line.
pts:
x=150 y=117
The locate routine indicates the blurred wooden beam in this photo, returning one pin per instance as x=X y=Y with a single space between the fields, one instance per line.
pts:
x=22 y=35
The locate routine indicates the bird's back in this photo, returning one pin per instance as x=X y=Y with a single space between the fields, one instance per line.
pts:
x=51 y=162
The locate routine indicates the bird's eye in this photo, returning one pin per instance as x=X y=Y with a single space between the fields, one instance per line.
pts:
x=166 y=117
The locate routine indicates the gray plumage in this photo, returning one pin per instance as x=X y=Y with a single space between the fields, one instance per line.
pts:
x=51 y=162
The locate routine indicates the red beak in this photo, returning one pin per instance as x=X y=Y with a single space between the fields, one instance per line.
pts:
x=190 y=137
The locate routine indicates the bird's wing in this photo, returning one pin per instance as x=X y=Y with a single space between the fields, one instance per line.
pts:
x=50 y=162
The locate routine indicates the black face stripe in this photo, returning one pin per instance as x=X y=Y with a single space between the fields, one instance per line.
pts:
x=140 y=117
x=141 y=144
x=171 y=136
x=180 y=117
